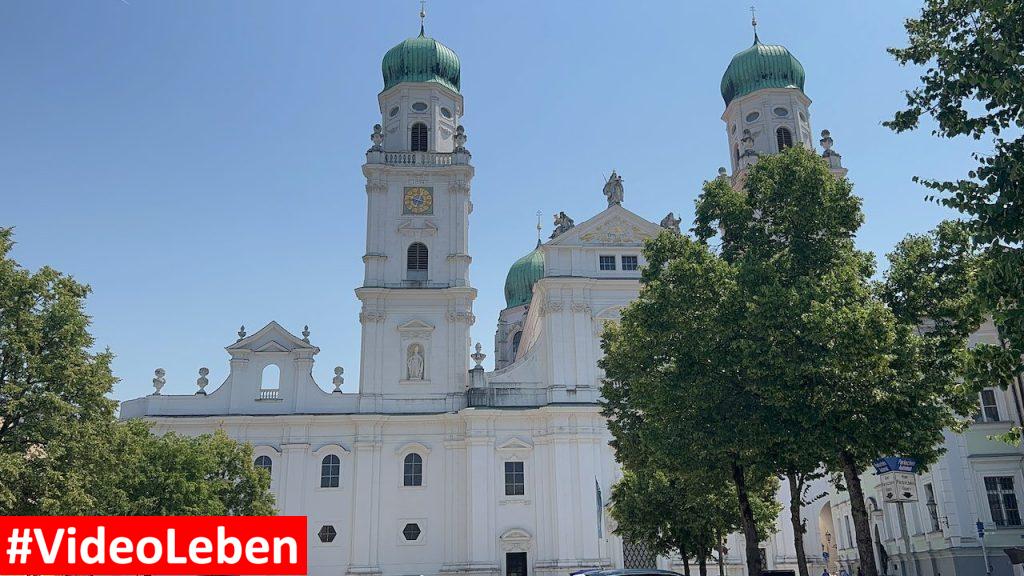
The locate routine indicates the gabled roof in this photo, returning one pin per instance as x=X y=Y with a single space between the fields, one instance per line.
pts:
x=272 y=338
x=614 y=226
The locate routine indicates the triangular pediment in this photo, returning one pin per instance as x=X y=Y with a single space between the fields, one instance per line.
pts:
x=272 y=346
x=415 y=326
x=514 y=444
x=615 y=226
x=417 y=228
x=272 y=338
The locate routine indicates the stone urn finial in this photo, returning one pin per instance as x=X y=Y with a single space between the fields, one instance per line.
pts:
x=241 y=332
x=478 y=356
x=338 y=379
x=202 y=382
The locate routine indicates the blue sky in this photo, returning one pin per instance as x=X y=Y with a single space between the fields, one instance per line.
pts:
x=198 y=163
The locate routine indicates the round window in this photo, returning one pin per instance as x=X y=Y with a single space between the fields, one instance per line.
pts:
x=753 y=116
x=393 y=112
x=420 y=106
x=780 y=111
x=446 y=113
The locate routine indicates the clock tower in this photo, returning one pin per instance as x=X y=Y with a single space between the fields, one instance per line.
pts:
x=417 y=303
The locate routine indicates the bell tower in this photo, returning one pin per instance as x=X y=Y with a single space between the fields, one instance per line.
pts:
x=417 y=302
x=766 y=109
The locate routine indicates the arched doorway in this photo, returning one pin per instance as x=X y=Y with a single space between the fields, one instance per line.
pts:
x=827 y=536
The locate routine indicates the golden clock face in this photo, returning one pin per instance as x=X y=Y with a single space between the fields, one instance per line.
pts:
x=418 y=200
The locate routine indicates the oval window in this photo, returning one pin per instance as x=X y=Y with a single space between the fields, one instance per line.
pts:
x=446 y=113
x=733 y=128
x=802 y=117
x=780 y=111
x=753 y=116
x=393 y=112
x=419 y=106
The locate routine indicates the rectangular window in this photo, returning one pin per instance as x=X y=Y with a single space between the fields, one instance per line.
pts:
x=515 y=479
x=607 y=262
x=630 y=263
x=932 y=506
x=1002 y=500
x=989 y=408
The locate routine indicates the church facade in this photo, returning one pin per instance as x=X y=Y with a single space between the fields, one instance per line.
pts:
x=436 y=466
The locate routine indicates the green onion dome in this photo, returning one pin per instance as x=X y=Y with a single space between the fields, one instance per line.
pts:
x=421 y=59
x=522 y=276
x=761 y=66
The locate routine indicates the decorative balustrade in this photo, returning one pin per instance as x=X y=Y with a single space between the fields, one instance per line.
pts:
x=269 y=394
x=417 y=158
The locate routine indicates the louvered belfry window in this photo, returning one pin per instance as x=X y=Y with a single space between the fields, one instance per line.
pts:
x=419 y=137
x=784 y=138
x=416 y=262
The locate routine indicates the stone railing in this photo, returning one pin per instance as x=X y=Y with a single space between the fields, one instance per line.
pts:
x=428 y=159
x=269 y=394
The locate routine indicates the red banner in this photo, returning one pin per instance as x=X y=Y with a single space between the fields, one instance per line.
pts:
x=112 y=545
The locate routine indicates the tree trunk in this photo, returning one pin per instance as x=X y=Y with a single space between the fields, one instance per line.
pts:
x=747 y=522
x=796 y=488
x=702 y=566
x=721 y=554
x=859 y=511
x=686 y=560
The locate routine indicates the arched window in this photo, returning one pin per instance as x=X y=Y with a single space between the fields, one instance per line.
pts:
x=416 y=262
x=515 y=343
x=736 y=149
x=271 y=378
x=264 y=463
x=419 y=137
x=330 y=471
x=784 y=137
x=412 y=470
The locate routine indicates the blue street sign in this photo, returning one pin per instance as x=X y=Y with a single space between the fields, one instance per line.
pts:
x=895 y=464
x=981 y=529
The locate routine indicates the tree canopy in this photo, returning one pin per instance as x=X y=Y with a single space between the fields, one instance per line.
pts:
x=62 y=451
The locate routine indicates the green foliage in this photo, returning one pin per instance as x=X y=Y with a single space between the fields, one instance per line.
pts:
x=778 y=354
x=686 y=513
x=62 y=452
x=973 y=85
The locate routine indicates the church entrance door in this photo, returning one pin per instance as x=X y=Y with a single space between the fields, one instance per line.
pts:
x=515 y=564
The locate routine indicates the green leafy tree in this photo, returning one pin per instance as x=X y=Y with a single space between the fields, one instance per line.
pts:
x=62 y=451
x=784 y=231
x=973 y=85
x=207 y=475
x=686 y=514
x=678 y=366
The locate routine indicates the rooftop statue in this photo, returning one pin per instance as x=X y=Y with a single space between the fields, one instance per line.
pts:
x=613 y=189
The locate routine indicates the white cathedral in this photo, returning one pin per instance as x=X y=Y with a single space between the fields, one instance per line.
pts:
x=436 y=466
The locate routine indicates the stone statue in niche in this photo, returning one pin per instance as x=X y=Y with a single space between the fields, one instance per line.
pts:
x=414 y=363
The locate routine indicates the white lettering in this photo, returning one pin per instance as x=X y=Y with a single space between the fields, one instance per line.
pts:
x=172 y=556
x=119 y=546
x=257 y=546
x=293 y=546
x=99 y=543
x=222 y=543
x=49 y=554
x=140 y=550
x=201 y=545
